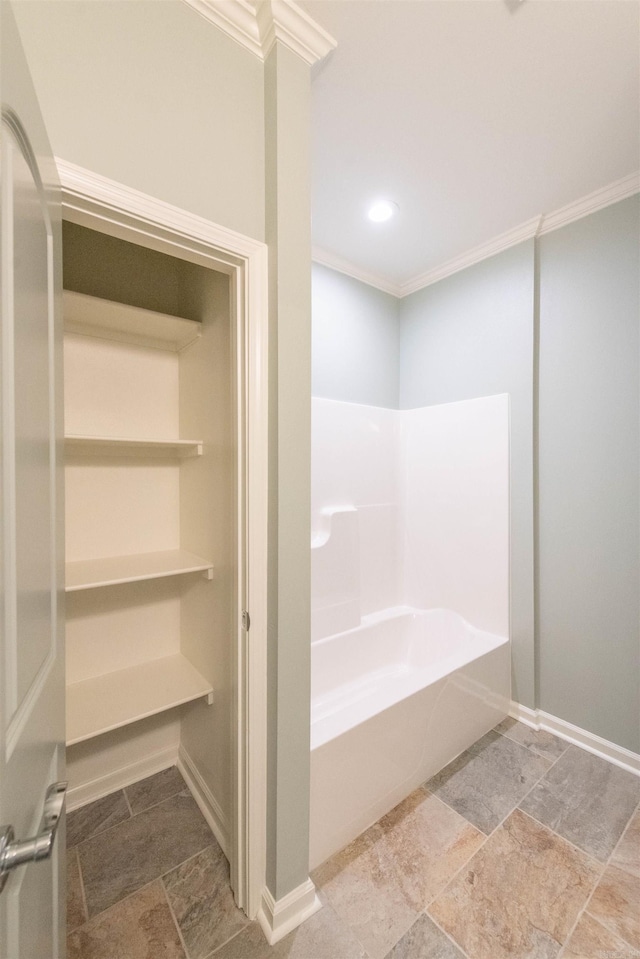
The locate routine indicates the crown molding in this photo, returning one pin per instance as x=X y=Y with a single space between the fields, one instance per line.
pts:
x=236 y=18
x=525 y=231
x=598 y=200
x=325 y=258
x=258 y=26
x=536 y=227
x=85 y=190
x=285 y=21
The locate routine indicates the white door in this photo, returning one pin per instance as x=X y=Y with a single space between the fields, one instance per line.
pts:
x=31 y=554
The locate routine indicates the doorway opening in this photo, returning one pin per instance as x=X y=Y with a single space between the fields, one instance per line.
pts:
x=166 y=423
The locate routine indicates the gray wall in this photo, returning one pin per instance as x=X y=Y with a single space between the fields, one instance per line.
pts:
x=287 y=96
x=472 y=334
x=589 y=653
x=356 y=340
x=556 y=325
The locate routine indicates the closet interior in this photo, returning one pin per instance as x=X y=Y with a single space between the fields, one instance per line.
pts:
x=151 y=528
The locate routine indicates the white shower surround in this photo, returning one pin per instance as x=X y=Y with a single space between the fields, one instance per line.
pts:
x=410 y=600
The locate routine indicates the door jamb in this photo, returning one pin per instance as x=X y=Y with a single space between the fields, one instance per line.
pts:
x=98 y=203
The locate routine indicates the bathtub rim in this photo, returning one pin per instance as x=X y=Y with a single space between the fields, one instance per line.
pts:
x=406 y=683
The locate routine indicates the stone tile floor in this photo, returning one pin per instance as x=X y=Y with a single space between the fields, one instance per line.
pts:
x=524 y=847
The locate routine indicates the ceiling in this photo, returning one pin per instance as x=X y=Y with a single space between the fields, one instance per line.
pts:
x=472 y=115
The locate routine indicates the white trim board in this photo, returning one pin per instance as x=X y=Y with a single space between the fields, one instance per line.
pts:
x=148 y=766
x=538 y=719
x=205 y=799
x=278 y=917
x=598 y=200
x=536 y=227
x=79 y=796
x=325 y=258
x=257 y=26
x=93 y=201
x=525 y=231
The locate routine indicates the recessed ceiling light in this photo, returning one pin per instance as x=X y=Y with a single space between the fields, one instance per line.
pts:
x=382 y=210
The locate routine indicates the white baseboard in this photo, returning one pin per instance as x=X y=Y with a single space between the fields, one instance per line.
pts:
x=125 y=776
x=207 y=803
x=278 y=918
x=538 y=719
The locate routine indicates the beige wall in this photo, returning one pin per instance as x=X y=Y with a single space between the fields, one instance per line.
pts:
x=151 y=95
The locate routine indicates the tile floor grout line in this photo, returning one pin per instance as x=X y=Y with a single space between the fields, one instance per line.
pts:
x=90 y=919
x=153 y=805
x=487 y=837
x=614 y=932
x=129 y=807
x=100 y=831
x=458 y=871
x=423 y=911
x=82 y=889
x=465 y=954
x=175 y=921
x=230 y=939
x=193 y=856
x=582 y=852
x=585 y=908
x=597 y=862
x=132 y=814
x=83 y=895
x=603 y=868
x=159 y=878
x=531 y=748
x=635 y=812
x=401 y=936
x=482 y=833
x=143 y=886
x=521 y=800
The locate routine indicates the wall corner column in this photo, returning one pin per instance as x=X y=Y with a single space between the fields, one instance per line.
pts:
x=289 y=896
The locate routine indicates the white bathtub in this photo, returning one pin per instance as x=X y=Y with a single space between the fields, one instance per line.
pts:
x=433 y=685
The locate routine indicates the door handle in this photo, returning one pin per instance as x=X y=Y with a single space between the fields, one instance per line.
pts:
x=14 y=854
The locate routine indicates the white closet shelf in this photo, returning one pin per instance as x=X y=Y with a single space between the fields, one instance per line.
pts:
x=103 y=703
x=116 y=445
x=131 y=324
x=112 y=570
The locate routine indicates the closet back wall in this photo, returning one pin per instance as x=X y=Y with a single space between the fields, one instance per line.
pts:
x=127 y=503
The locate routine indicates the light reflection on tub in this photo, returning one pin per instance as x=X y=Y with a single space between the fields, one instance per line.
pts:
x=434 y=685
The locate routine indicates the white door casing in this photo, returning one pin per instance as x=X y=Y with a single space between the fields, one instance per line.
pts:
x=32 y=570
x=100 y=204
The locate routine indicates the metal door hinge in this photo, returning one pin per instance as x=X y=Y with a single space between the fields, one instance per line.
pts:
x=246 y=620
